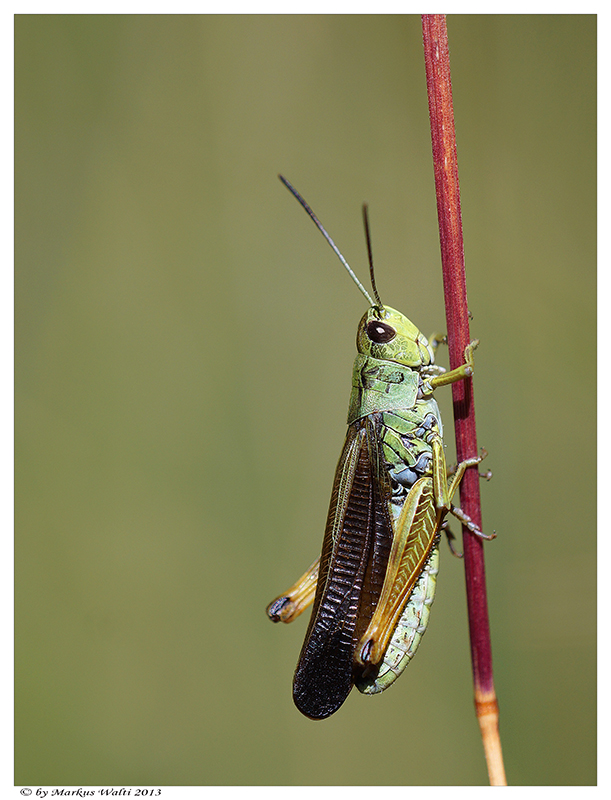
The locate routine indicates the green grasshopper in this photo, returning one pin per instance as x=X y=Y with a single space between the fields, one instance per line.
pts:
x=374 y=583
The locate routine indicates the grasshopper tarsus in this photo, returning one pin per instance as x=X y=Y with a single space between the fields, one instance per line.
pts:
x=483 y=453
x=473 y=345
x=466 y=520
x=435 y=339
x=450 y=538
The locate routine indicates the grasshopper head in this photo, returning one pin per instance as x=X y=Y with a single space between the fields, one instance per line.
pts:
x=386 y=334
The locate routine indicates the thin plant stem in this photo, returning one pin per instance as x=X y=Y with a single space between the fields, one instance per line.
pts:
x=441 y=112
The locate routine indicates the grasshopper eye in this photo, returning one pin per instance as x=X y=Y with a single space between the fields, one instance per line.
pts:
x=380 y=332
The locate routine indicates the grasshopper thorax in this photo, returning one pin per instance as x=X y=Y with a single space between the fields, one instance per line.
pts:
x=388 y=335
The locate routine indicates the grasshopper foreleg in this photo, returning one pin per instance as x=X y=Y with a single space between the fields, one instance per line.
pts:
x=435 y=339
x=464 y=371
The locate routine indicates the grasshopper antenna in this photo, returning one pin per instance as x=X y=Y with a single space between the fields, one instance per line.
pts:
x=334 y=247
x=370 y=255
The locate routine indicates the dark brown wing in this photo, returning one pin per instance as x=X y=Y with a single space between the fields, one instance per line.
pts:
x=355 y=552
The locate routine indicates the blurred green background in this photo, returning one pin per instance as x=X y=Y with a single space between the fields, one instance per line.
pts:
x=184 y=346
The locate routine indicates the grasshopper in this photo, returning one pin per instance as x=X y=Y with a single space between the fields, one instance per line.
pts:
x=374 y=583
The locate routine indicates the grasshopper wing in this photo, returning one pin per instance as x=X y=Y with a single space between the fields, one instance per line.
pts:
x=357 y=542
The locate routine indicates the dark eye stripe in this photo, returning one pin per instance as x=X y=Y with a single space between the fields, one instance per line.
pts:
x=380 y=332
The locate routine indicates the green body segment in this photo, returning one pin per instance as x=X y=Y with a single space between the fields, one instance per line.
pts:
x=407 y=421
x=375 y=579
x=380 y=385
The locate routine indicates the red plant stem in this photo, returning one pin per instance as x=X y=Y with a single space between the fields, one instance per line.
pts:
x=441 y=112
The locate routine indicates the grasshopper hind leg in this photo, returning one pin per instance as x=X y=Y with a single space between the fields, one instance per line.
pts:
x=295 y=600
x=407 y=634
